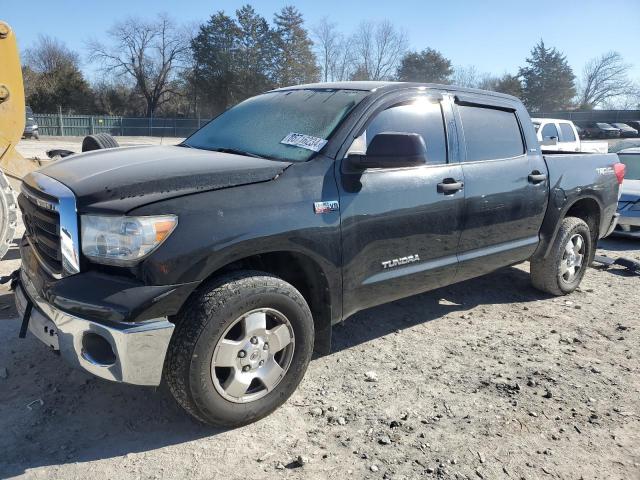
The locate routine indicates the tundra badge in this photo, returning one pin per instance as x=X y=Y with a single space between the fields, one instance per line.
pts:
x=324 y=207
x=400 y=261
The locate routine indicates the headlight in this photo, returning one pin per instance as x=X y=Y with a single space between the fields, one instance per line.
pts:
x=123 y=241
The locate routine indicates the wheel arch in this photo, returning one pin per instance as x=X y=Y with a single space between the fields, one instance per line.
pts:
x=589 y=209
x=305 y=274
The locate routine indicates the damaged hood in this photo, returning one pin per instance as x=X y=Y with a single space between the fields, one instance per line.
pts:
x=120 y=179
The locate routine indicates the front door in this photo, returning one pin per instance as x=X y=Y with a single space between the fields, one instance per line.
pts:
x=400 y=230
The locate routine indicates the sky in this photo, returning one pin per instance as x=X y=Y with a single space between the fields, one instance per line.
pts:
x=494 y=35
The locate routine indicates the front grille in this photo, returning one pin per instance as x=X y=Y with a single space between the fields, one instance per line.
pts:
x=42 y=225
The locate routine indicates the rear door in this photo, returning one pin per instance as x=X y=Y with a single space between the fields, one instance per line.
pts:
x=400 y=230
x=506 y=186
x=568 y=137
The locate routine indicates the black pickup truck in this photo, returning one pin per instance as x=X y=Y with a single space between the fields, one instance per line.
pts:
x=221 y=263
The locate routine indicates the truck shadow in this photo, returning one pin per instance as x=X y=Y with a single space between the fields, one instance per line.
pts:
x=619 y=244
x=509 y=285
x=51 y=414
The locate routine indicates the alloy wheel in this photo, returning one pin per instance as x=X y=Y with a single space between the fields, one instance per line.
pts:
x=253 y=355
x=572 y=258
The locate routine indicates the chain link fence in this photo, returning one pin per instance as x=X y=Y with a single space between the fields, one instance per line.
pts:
x=82 y=125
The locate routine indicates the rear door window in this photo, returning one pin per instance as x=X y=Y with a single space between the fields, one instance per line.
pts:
x=567 y=132
x=550 y=130
x=490 y=133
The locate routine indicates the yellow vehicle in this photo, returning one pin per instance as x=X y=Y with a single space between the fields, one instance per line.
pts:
x=12 y=120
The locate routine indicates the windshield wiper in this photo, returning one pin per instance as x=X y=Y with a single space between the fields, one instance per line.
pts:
x=236 y=152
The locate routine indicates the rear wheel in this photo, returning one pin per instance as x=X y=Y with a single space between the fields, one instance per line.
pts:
x=562 y=270
x=240 y=349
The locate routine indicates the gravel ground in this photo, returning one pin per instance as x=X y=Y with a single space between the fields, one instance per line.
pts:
x=484 y=379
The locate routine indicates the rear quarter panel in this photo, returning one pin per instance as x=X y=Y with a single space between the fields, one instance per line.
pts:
x=573 y=177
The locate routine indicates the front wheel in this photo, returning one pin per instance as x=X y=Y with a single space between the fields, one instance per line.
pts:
x=562 y=270
x=240 y=349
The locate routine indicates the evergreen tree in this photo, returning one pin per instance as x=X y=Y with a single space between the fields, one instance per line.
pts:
x=256 y=57
x=507 y=83
x=215 y=52
x=547 y=80
x=426 y=66
x=296 y=62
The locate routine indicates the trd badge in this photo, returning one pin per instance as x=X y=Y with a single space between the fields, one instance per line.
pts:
x=324 y=207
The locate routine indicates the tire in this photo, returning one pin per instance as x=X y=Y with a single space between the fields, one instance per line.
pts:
x=219 y=317
x=98 y=141
x=560 y=273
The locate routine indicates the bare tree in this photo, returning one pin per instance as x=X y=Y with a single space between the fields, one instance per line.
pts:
x=630 y=100
x=327 y=40
x=378 y=49
x=333 y=51
x=149 y=53
x=465 y=76
x=604 y=78
x=49 y=55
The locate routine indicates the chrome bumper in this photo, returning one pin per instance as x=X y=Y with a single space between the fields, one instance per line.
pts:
x=129 y=353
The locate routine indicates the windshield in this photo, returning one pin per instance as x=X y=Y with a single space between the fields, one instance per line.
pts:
x=604 y=125
x=259 y=125
x=632 y=162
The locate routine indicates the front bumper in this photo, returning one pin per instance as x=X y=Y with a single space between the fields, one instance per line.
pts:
x=130 y=352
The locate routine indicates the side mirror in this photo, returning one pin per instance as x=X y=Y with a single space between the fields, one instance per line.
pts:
x=550 y=141
x=392 y=150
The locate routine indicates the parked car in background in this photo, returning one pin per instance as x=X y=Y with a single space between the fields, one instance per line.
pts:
x=557 y=134
x=634 y=124
x=629 y=202
x=625 y=130
x=30 y=125
x=599 y=130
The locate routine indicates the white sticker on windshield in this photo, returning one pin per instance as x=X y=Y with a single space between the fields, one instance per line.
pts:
x=304 y=141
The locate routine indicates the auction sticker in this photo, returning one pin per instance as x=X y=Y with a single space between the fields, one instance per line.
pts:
x=304 y=141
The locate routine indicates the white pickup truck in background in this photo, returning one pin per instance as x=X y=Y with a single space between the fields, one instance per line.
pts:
x=560 y=135
x=557 y=134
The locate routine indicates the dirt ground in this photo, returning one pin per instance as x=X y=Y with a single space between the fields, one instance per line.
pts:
x=484 y=379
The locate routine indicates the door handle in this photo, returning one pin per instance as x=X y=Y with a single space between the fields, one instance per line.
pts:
x=537 y=177
x=449 y=186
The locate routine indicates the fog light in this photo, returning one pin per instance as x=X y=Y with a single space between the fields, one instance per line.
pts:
x=97 y=350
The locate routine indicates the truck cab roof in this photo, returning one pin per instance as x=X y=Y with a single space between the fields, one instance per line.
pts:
x=388 y=86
